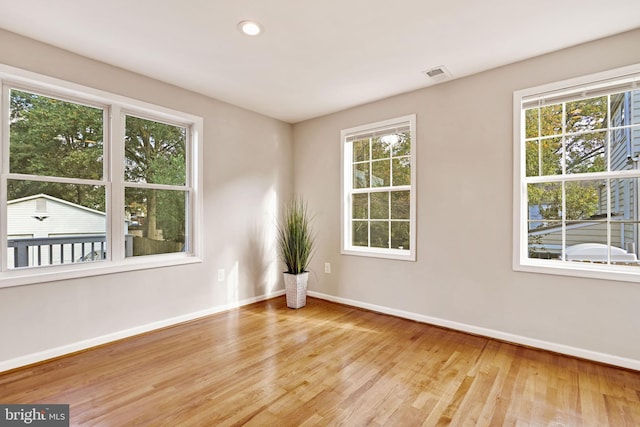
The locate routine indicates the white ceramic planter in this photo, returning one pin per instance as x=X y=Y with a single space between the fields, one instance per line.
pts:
x=296 y=289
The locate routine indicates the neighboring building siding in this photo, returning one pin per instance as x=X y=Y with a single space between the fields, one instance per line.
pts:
x=635 y=114
x=45 y=216
x=588 y=231
x=61 y=219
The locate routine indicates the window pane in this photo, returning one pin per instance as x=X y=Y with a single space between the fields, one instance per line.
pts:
x=381 y=147
x=551 y=120
x=380 y=205
x=53 y=223
x=360 y=208
x=585 y=200
x=586 y=152
x=532 y=158
x=54 y=138
x=85 y=196
x=157 y=220
x=361 y=150
x=622 y=149
x=361 y=175
x=624 y=243
x=593 y=219
x=400 y=204
x=381 y=173
x=401 y=171
x=545 y=238
x=634 y=118
x=531 y=123
x=379 y=234
x=154 y=152
x=544 y=227
x=587 y=114
x=623 y=195
x=551 y=156
x=379 y=163
x=545 y=204
x=400 y=235
x=620 y=108
x=401 y=146
x=549 y=151
x=360 y=233
x=624 y=218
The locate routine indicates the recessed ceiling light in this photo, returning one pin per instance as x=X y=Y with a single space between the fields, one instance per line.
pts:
x=250 y=28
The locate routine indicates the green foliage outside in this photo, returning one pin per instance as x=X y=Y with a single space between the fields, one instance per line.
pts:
x=584 y=129
x=59 y=139
x=155 y=154
x=54 y=138
x=381 y=219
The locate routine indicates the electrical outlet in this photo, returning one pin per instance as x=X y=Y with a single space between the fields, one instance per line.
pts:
x=221 y=275
x=327 y=267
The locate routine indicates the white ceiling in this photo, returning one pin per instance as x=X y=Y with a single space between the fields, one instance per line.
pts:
x=314 y=56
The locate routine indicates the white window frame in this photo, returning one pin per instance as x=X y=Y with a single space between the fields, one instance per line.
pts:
x=593 y=84
x=115 y=107
x=347 y=190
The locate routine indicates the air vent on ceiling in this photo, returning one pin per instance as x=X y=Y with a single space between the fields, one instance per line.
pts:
x=437 y=73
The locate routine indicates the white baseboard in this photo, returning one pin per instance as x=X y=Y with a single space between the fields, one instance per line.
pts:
x=491 y=333
x=29 y=359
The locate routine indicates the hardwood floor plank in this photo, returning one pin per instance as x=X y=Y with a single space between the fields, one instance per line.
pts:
x=324 y=365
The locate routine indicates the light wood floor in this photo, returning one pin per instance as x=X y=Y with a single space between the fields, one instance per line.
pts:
x=325 y=364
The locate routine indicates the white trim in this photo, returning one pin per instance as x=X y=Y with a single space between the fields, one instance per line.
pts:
x=4 y=168
x=378 y=253
x=491 y=333
x=520 y=260
x=346 y=248
x=52 y=273
x=82 y=94
x=115 y=336
x=115 y=177
x=115 y=108
x=582 y=83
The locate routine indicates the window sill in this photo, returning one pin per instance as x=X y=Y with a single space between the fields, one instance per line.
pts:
x=30 y=276
x=586 y=270
x=381 y=253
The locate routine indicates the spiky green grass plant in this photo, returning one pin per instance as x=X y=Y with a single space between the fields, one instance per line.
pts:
x=295 y=237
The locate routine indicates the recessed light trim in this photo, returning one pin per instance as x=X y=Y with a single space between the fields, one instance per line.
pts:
x=250 y=28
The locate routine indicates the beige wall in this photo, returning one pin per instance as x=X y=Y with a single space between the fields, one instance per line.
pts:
x=247 y=175
x=464 y=275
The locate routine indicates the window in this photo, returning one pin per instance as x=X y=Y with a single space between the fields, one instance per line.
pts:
x=577 y=166
x=379 y=189
x=156 y=197
x=91 y=182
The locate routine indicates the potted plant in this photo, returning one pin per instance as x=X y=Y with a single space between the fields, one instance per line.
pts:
x=296 y=244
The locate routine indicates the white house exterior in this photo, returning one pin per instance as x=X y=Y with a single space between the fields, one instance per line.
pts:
x=44 y=216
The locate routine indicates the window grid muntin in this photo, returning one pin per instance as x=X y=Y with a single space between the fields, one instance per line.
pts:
x=7 y=88
x=565 y=177
x=14 y=78
x=185 y=188
x=348 y=138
